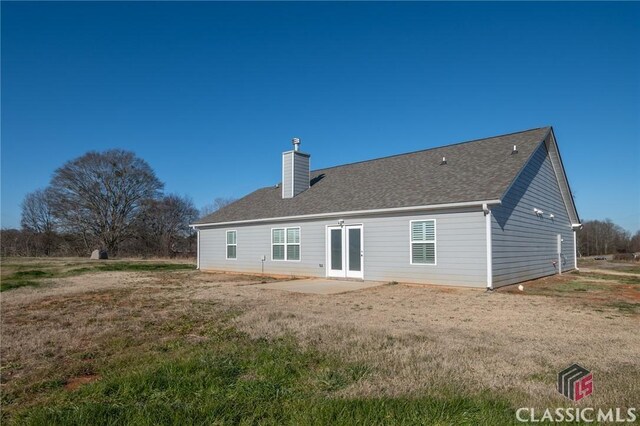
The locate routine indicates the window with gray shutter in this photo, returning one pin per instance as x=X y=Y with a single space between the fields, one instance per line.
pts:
x=423 y=242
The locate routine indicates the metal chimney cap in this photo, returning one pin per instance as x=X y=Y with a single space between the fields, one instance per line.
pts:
x=296 y=143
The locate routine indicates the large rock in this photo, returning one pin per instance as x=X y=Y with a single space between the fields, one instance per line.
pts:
x=99 y=254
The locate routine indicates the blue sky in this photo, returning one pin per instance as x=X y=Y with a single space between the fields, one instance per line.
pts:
x=210 y=94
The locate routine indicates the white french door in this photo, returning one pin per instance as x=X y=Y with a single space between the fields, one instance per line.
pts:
x=345 y=251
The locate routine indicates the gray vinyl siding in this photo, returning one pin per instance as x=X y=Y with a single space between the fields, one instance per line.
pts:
x=460 y=249
x=295 y=173
x=287 y=182
x=524 y=246
x=300 y=173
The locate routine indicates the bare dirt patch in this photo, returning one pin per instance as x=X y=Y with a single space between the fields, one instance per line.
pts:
x=75 y=382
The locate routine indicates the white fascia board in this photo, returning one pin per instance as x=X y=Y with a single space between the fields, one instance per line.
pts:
x=561 y=177
x=354 y=213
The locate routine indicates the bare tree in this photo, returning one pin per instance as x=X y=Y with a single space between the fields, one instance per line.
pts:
x=38 y=221
x=14 y=242
x=217 y=204
x=100 y=194
x=163 y=222
x=37 y=212
x=603 y=237
x=635 y=242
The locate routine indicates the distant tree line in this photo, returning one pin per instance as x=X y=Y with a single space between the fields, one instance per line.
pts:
x=113 y=200
x=108 y=200
x=600 y=237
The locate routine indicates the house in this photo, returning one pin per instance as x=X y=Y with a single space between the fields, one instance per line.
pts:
x=484 y=213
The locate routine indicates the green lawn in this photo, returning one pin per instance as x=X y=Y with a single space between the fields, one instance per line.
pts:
x=224 y=377
x=149 y=353
x=232 y=379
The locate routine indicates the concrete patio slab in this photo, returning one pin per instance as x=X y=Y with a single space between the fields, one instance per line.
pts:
x=320 y=286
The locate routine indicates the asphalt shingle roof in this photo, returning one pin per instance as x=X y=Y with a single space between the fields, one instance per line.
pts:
x=477 y=170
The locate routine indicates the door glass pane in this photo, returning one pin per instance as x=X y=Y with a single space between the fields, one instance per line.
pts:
x=336 y=249
x=354 y=249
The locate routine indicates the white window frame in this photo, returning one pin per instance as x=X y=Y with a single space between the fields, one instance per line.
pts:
x=286 y=244
x=227 y=245
x=435 y=242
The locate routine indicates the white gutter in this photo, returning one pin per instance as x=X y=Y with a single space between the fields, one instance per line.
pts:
x=353 y=213
x=487 y=222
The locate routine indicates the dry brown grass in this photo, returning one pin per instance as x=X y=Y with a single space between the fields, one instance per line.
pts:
x=410 y=340
x=417 y=339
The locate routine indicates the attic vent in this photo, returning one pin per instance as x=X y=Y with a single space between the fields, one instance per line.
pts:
x=515 y=150
x=444 y=161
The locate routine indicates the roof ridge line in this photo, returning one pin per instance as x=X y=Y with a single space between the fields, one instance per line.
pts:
x=429 y=149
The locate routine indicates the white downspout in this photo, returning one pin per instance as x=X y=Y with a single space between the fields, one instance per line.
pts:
x=198 y=250
x=487 y=221
x=575 y=250
x=559 y=242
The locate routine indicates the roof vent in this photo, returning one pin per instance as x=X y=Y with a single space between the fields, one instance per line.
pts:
x=444 y=161
x=296 y=144
x=515 y=150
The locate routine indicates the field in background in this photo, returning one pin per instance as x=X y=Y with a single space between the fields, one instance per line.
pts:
x=156 y=342
x=590 y=263
x=22 y=272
